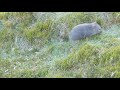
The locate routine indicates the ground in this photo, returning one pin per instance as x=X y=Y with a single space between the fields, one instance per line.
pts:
x=93 y=57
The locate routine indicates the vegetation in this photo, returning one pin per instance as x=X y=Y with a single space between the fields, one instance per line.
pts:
x=31 y=46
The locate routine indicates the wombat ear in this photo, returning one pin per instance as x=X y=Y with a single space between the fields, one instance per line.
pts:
x=94 y=24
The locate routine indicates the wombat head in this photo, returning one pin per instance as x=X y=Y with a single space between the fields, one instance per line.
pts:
x=96 y=27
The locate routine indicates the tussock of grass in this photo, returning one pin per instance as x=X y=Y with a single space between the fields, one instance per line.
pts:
x=111 y=55
x=39 y=34
x=81 y=56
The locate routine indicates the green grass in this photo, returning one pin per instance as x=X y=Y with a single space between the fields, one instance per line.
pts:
x=33 y=50
x=39 y=34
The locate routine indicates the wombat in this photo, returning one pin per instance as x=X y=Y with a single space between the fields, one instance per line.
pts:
x=84 y=30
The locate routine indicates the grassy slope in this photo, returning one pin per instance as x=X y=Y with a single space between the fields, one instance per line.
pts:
x=97 y=56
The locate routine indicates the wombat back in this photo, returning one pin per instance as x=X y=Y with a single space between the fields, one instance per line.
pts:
x=84 y=30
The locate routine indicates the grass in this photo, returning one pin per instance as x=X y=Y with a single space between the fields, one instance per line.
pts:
x=34 y=51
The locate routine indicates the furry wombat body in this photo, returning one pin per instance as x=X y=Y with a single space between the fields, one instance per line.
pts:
x=84 y=30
